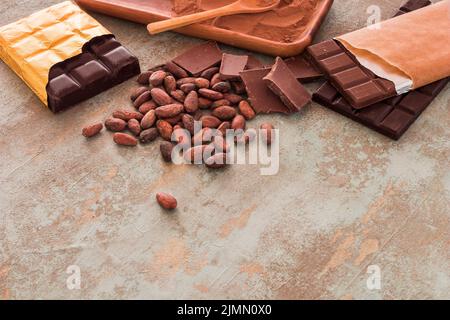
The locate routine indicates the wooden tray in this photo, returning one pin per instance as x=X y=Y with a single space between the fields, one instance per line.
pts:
x=143 y=11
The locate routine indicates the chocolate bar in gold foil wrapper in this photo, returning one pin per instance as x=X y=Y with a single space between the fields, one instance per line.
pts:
x=64 y=55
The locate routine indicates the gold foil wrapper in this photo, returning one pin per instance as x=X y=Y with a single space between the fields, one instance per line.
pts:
x=32 y=45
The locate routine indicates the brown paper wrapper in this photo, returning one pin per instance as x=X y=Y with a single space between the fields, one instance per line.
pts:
x=414 y=45
x=31 y=46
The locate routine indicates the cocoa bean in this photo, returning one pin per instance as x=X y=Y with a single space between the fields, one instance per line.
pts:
x=92 y=130
x=233 y=98
x=215 y=79
x=115 y=124
x=124 y=139
x=167 y=201
x=246 y=110
x=208 y=73
x=148 y=135
x=160 y=97
x=134 y=126
x=187 y=87
x=210 y=94
x=157 y=78
x=147 y=106
x=202 y=83
x=210 y=121
x=182 y=81
x=202 y=136
x=174 y=120
x=144 y=77
x=224 y=113
x=166 y=148
x=127 y=115
x=220 y=103
x=188 y=123
x=223 y=87
x=148 y=120
x=169 y=111
x=204 y=103
x=191 y=102
x=165 y=129
x=144 y=97
x=224 y=126
x=182 y=136
x=176 y=70
x=136 y=92
x=238 y=123
x=178 y=95
x=170 y=84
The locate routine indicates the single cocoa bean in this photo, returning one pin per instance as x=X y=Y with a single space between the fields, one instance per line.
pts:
x=202 y=83
x=216 y=161
x=127 y=115
x=220 y=103
x=148 y=120
x=148 y=135
x=198 y=114
x=115 y=124
x=208 y=73
x=191 y=102
x=188 y=123
x=157 y=78
x=167 y=201
x=92 y=130
x=176 y=70
x=178 y=95
x=223 y=87
x=182 y=81
x=144 y=97
x=224 y=126
x=147 y=106
x=166 y=148
x=267 y=132
x=124 y=139
x=224 y=113
x=169 y=111
x=187 y=87
x=160 y=97
x=238 y=123
x=144 y=77
x=210 y=121
x=215 y=79
x=246 y=110
x=210 y=94
x=170 y=84
x=233 y=98
x=134 y=126
x=165 y=129
x=204 y=103
x=136 y=92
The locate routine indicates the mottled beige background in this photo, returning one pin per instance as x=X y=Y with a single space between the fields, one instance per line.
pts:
x=345 y=198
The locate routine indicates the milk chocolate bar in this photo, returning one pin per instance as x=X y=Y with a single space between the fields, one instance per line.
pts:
x=283 y=83
x=360 y=86
x=103 y=64
x=231 y=66
x=391 y=117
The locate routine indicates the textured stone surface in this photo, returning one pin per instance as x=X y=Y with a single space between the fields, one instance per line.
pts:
x=345 y=198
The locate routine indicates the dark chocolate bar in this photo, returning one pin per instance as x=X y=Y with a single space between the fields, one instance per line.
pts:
x=303 y=69
x=103 y=63
x=199 y=58
x=356 y=83
x=284 y=84
x=393 y=116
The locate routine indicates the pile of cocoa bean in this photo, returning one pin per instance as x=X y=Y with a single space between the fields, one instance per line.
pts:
x=168 y=99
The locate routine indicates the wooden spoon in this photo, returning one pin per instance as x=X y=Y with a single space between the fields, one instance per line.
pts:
x=240 y=6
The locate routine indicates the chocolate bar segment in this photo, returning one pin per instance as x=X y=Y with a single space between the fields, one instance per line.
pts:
x=199 y=58
x=262 y=99
x=302 y=69
x=391 y=117
x=231 y=66
x=357 y=84
x=103 y=63
x=283 y=83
